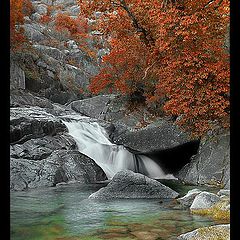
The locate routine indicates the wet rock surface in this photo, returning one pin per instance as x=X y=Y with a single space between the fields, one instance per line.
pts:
x=60 y=166
x=42 y=153
x=152 y=138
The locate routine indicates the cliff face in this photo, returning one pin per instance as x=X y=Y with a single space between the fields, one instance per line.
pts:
x=56 y=65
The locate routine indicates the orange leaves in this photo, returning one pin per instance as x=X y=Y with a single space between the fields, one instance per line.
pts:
x=184 y=63
x=64 y=21
x=100 y=82
x=18 y=9
x=45 y=19
x=74 y=26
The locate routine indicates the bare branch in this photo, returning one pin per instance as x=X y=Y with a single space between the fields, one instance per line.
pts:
x=146 y=71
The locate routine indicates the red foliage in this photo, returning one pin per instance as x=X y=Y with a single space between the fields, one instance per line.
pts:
x=74 y=26
x=172 y=48
x=45 y=19
x=18 y=9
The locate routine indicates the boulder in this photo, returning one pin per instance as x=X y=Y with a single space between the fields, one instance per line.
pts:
x=224 y=192
x=36 y=17
x=74 y=10
x=41 y=148
x=155 y=137
x=34 y=32
x=208 y=233
x=19 y=98
x=204 y=200
x=50 y=51
x=188 y=199
x=93 y=107
x=34 y=122
x=127 y=184
x=211 y=164
x=158 y=134
x=41 y=9
x=64 y=2
x=60 y=166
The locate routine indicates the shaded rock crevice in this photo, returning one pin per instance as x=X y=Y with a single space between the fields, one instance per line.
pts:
x=211 y=164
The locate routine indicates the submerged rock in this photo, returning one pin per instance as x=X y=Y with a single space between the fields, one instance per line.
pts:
x=208 y=233
x=204 y=200
x=127 y=184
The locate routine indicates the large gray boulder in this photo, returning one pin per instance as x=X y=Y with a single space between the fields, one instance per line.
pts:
x=20 y=98
x=60 y=166
x=41 y=9
x=208 y=233
x=127 y=184
x=50 y=51
x=211 y=164
x=155 y=137
x=33 y=122
x=204 y=200
x=93 y=107
x=34 y=32
x=158 y=134
x=64 y=2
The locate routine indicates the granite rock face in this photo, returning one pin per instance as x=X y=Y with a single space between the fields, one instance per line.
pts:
x=42 y=153
x=17 y=77
x=60 y=166
x=28 y=123
x=211 y=164
x=127 y=184
x=53 y=68
x=23 y=98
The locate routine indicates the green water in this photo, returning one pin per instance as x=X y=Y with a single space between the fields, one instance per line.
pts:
x=65 y=212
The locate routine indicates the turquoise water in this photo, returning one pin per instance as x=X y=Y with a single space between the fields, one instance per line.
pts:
x=65 y=212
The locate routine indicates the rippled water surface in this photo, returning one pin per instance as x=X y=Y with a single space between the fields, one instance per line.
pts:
x=65 y=212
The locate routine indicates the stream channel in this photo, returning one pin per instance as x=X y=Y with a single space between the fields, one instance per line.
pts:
x=64 y=212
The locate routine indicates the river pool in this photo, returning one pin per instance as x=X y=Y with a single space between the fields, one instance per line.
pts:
x=65 y=212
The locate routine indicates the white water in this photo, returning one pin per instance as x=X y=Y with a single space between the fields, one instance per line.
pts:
x=92 y=141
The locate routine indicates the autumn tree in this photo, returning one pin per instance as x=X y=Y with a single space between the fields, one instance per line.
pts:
x=18 y=9
x=75 y=27
x=171 y=50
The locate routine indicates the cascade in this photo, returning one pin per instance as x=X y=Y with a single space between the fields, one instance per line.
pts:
x=93 y=141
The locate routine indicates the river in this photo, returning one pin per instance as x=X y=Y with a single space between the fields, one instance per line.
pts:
x=65 y=212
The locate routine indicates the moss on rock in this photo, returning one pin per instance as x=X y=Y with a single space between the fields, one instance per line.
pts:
x=218 y=211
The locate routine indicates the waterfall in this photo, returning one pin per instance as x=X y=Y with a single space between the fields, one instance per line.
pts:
x=93 y=141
